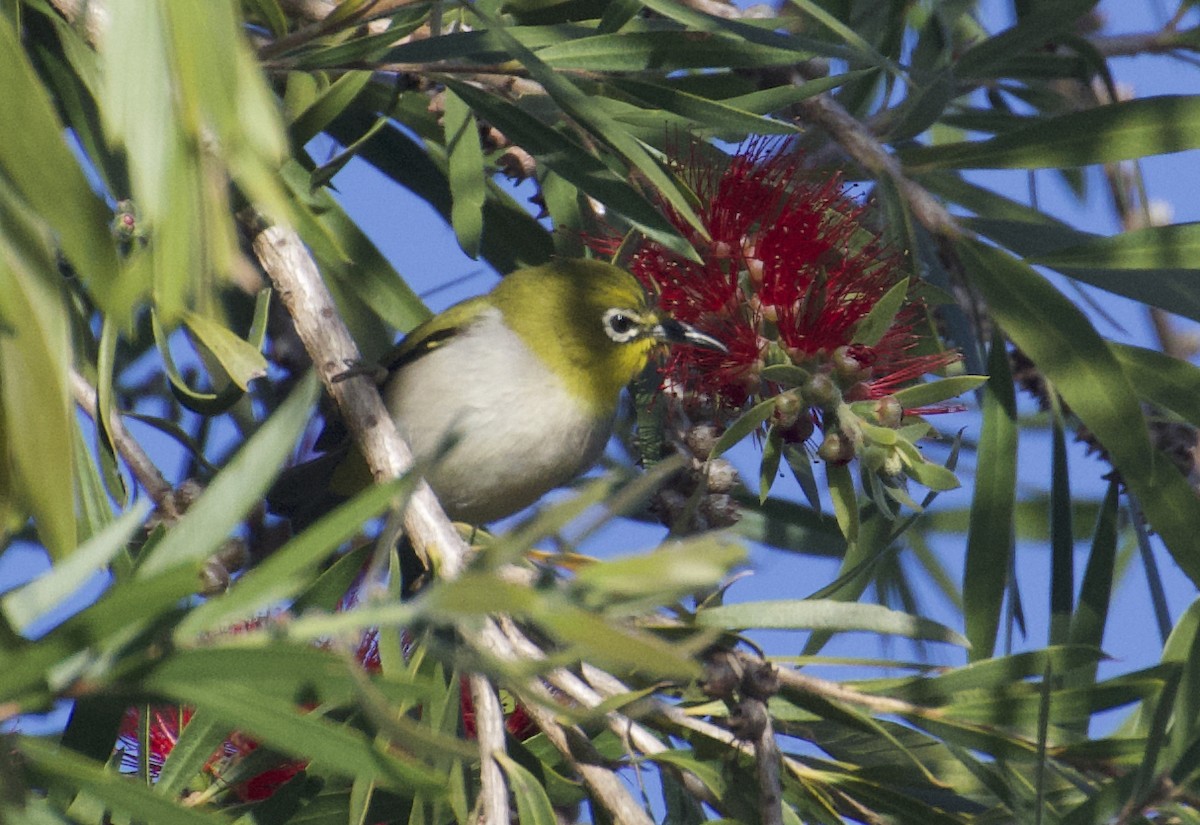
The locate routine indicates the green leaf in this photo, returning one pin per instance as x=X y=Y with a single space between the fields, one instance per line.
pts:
x=106 y=407
x=826 y=615
x=35 y=157
x=928 y=474
x=571 y=161
x=577 y=105
x=1032 y=31
x=355 y=266
x=283 y=726
x=1162 y=380
x=791 y=527
x=1062 y=540
x=662 y=51
x=769 y=466
x=35 y=353
x=28 y=603
x=1106 y=134
x=114 y=790
x=1156 y=266
x=875 y=324
x=237 y=489
x=1082 y=368
x=845 y=502
x=328 y=106
x=669 y=572
x=938 y=390
x=729 y=119
x=466 y=173
x=612 y=645
x=854 y=41
x=290 y=568
x=198 y=740
x=241 y=360
x=533 y=805
x=1156 y=247
x=990 y=535
x=1095 y=593
x=786 y=375
x=746 y=423
x=198 y=401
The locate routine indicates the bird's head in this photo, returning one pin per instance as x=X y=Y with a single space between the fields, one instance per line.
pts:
x=591 y=323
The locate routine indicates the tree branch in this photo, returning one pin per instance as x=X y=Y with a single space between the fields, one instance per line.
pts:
x=295 y=276
x=859 y=144
x=592 y=695
x=1133 y=44
x=325 y=337
x=489 y=732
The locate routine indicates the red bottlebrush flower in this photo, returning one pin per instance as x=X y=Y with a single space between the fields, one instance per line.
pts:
x=516 y=721
x=788 y=273
x=162 y=734
x=167 y=722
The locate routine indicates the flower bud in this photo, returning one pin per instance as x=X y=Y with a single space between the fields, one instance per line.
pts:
x=800 y=431
x=888 y=411
x=701 y=438
x=849 y=367
x=720 y=510
x=820 y=391
x=835 y=448
x=756 y=271
x=721 y=476
x=893 y=464
x=874 y=457
x=787 y=409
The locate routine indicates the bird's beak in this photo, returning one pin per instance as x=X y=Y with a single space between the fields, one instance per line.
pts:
x=670 y=331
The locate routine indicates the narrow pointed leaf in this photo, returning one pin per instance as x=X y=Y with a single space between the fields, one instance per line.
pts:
x=938 y=390
x=236 y=489
x=34 y=155
x=533 y=805
x=241 y=360
x=826 y=615
x=35 y=352
x=1106 y=134
x=875 y=324
x=990 y=536
x=465 y=159
x=1058 y=337
x=115 y=791
x=28 y=603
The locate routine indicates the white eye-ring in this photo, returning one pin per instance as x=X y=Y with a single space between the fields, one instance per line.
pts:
x=622 y=325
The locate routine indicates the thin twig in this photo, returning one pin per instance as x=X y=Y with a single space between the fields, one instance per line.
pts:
x=857 y=141
x=1138 y=43
x=766 y=767
x=144 y=470
x=841 y=693
x=635 y=736
x=603 y=783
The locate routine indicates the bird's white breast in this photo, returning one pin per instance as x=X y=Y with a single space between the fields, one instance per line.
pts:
x=519 y=432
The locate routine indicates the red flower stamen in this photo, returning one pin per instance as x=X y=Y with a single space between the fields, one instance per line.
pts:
x=789 y=273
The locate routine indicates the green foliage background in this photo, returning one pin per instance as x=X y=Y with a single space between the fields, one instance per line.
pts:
x=143 y=143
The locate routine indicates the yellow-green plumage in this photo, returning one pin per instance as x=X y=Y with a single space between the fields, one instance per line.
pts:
x=508 y=395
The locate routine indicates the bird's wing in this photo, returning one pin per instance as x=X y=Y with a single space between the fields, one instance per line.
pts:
x=434 y=333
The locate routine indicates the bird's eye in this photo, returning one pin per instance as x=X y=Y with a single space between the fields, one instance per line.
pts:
x=620 y=325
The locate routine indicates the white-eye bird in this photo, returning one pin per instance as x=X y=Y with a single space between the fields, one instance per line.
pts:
x=522 y=384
